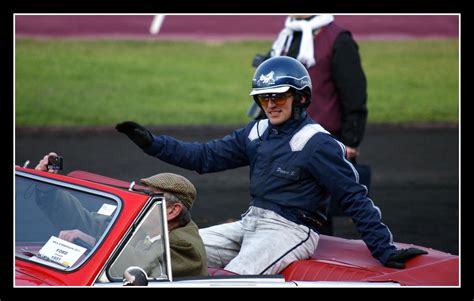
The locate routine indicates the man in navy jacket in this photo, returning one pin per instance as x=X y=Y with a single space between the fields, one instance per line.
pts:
x=296 y=166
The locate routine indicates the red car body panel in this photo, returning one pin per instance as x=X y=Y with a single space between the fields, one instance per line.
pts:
x=339 y=259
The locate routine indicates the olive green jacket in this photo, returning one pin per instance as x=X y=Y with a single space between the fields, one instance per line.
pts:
x=188 y=254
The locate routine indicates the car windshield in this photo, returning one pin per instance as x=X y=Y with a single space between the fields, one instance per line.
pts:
x=60 y=224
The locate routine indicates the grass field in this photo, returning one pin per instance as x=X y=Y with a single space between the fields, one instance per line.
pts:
x=71 y=82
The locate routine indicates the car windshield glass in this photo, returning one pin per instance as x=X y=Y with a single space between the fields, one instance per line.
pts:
x=145 y=248
x=57 y=225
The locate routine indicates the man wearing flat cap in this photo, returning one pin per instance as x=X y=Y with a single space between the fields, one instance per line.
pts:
x=188 y=254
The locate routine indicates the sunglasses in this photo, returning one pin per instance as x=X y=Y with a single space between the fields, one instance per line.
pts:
x=279 y=99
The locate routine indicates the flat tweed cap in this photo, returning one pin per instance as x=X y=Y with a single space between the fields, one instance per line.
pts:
x=178 y=185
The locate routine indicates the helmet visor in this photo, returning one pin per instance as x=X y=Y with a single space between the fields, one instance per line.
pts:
x=269 y=90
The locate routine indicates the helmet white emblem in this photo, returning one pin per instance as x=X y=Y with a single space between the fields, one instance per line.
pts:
x=267 y=79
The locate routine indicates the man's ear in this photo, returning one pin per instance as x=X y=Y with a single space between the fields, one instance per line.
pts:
x=302 y=99
x=174 y=210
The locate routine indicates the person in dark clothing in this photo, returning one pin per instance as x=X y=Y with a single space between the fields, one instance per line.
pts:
x=339 y=93
x=296 y=166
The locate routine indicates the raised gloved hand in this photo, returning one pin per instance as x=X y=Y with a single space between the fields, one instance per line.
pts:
x=137 y=133
x=397 y=260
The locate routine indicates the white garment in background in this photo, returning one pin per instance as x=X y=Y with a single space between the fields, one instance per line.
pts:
x=306 y=52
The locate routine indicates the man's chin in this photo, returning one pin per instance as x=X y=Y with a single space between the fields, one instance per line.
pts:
x=275 y=120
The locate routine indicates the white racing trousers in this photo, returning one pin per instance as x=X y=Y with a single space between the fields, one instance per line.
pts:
x=262 y=242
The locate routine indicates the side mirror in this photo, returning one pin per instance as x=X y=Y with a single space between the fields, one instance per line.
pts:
x=135 y=276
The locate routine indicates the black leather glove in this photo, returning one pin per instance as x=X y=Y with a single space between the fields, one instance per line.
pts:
x=260 y=58
x=397 y=260
x=137 y=133
x=257 y=60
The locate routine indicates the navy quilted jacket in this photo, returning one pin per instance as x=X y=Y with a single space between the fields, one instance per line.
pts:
x=294 y=170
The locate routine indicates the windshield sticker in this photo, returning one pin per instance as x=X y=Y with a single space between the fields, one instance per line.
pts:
x=43 y=260
x=107 y=209
x=61 y=251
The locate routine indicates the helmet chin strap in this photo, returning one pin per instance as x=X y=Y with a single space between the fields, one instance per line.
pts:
x=298 y=108
x=297 y=112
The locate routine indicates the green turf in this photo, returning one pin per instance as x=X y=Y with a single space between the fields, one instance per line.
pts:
x=94 y=82
x=414 y=81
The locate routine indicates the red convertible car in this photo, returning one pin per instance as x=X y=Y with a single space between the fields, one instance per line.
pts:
x=115 y=213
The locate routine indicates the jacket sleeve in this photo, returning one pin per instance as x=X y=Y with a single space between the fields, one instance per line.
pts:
x=216 y=155
x=351 y=84
x=329 y=166
x=66 y=212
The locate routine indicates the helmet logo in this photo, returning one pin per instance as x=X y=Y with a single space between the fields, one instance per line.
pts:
x=267 y=79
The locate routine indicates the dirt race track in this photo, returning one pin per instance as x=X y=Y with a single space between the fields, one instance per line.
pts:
x=415 y=175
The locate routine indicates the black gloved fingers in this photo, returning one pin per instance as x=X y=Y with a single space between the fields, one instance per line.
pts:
x=405 y=254
x=399 y=257
x=137 y=133
x=395 y=264
x=127 y=126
